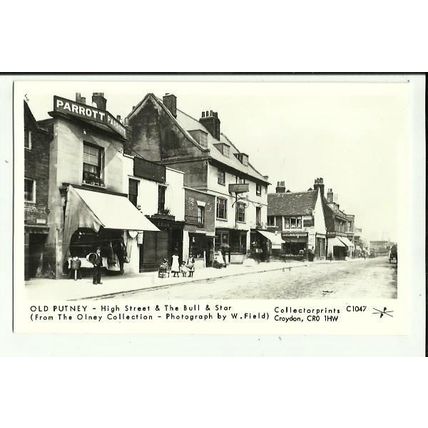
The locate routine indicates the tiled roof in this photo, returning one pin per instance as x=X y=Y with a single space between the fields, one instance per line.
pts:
x=189 y=123
x=292 y=203
x=336 y=211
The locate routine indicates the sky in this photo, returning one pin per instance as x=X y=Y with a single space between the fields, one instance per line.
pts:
x=350 y=132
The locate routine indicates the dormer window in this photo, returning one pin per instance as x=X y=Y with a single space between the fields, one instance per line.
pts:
x=223 y=148
x=243 y=158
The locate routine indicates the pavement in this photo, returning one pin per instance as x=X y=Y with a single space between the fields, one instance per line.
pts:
x=68 y=289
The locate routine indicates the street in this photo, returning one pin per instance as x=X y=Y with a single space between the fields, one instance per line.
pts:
x=370 y=278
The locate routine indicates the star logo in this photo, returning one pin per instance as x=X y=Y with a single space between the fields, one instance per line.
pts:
x=383 y=312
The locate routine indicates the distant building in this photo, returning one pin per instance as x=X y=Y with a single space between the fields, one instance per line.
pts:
x=211 y=163
x=380 y=248
x=299 y=217
x=340 y=227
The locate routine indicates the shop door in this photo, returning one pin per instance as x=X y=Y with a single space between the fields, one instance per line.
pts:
x=153 y=250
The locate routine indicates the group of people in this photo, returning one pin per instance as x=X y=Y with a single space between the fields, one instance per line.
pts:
x=184 y=269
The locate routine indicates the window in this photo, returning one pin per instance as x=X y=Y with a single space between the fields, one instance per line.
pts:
x=93 y=159
x=221 y=211
x=29 y=190
x=226 y=150
x=161 y=199
x=28 y=140
x=258 y=216
x=221 y=177
x=258 y=189
x=240 y=212
x=133 y=191
x=201 y=215
x=240 y=180
x=293 y=222
x=271 y=220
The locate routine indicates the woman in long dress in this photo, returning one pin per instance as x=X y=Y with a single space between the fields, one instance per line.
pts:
x=175 y=266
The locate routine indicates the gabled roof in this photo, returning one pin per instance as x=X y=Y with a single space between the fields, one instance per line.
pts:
x=187 y=123
x=335 y=211
x=292 y=203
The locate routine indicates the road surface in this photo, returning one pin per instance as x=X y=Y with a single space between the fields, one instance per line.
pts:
x=370 y=278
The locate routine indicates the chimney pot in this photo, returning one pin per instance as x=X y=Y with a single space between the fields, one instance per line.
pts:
x=212 y=123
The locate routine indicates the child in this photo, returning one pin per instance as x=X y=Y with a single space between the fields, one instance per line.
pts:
x=191 y=266
x=183 y=269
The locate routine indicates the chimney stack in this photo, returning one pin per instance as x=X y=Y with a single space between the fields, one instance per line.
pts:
x=330 y=196
x=80 y=99
x=319 y=184
x=170 y=102
x=211 y=121
x=99 y=100
x=280 y=187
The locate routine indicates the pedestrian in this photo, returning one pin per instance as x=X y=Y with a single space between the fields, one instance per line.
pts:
x=120 y=250
x=175 y=266
x=191 y=266
x=183 y=269
x=97 y=261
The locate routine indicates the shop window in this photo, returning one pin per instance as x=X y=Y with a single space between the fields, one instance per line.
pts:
x=133 y=191
x=221 y=209
x=201 y=215
x=258 y=216
x=161 y=199
x=221 y=177
x=258 y=189
x=29 y=190
x=240 y=212
x=28 y=144
x=93 y=162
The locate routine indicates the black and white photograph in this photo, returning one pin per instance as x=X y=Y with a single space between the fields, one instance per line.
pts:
x=281 y=195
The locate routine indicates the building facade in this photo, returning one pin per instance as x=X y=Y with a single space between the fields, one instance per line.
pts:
x=158 y=192
x=36 y=196
x=340 y=229
x=88 y=199
x=211 y=163
x=299 y=217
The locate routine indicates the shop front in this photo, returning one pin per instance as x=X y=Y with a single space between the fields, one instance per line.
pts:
x=91 y=223
x=265 y=245
x=295 y=245
x=161 y=245
x=232 y=243
x=336 y=249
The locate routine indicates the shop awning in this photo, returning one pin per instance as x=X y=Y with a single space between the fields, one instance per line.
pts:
x=346 y=241
x=276 y=240
x=336 y=242
x=109 y=211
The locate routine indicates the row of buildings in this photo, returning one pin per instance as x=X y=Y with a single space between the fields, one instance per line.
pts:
x=159 y=182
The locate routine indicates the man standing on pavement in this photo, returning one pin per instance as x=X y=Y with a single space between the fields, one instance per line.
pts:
x=97 y=261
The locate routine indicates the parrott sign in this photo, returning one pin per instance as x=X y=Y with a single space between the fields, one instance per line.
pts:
x=88 y=112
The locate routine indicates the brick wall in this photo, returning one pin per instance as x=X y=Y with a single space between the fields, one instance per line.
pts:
x=191 y=210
